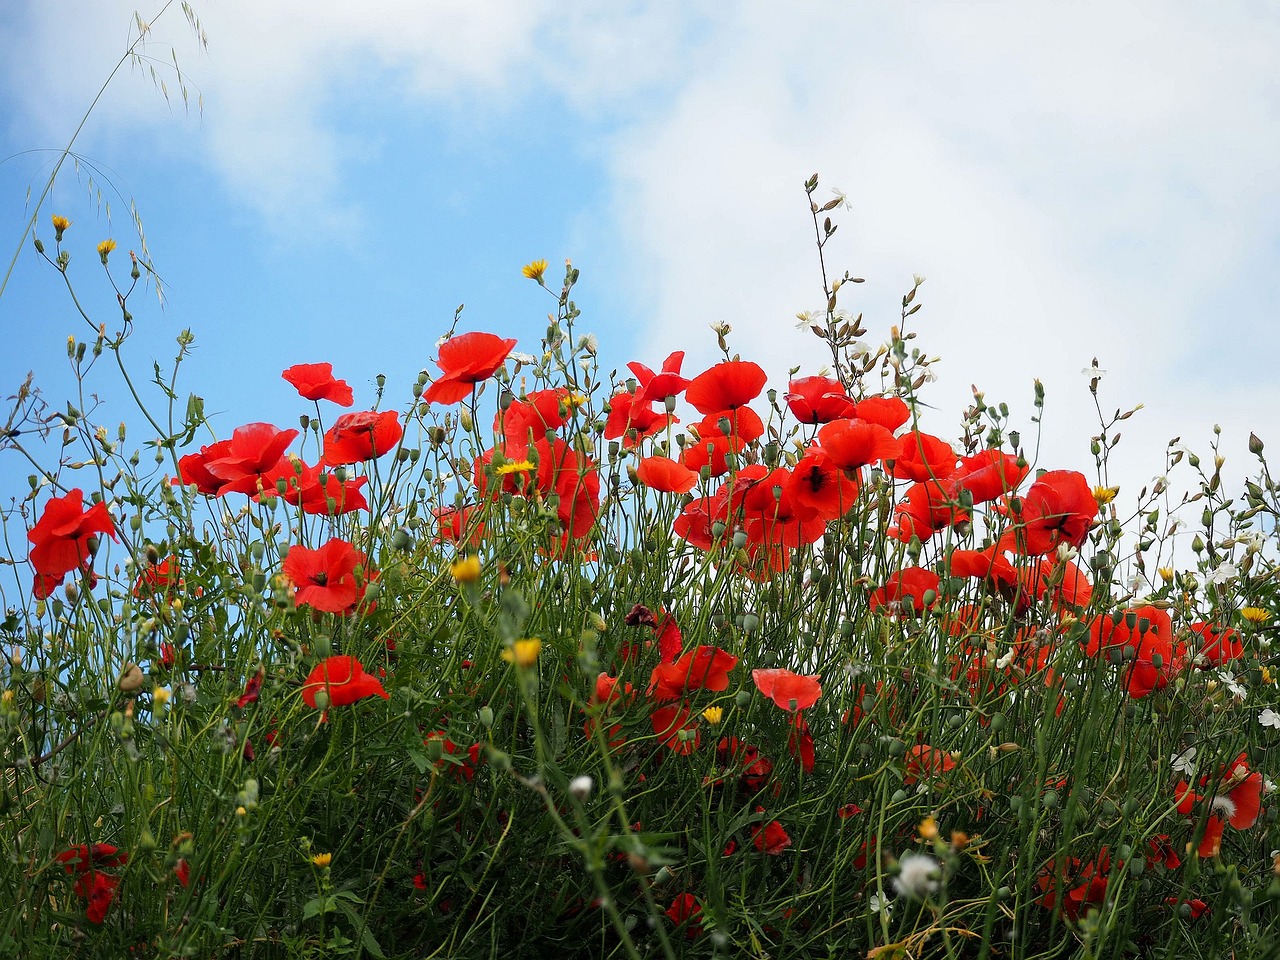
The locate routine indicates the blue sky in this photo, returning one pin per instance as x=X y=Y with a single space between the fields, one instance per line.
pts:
x=1074 y=181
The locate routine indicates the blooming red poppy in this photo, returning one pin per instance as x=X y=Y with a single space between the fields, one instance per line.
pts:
x=1196 y=908
x=710 y=450
x=1148 y=632
x=926 y=761
x=819 y=400
x=356 y=437
x=1086 y=884
x=1219 y=644
x=909 y=583
x=97 y=888
x=820 y=486
x=158 y=578
x=465 y=360
x=527 y=419
x=631 y=420
x=800 y=743
x=889 y=412
x=927 y=508
x=64 y=538
x=252 y=688
x=240 y=464
x=771 y=838
x=315 y=381
x=852 y=444
x=666 y=476
x=656 y=387
x=343 y=679
x=988 y=475
x=1058 y=508
x=458 y=525
x=702 y=668
x=685 y=911
x=315 y=489
x=325 y=578
x=923 y=457
x=669 y=722
x=791 y=691
x=726 y=386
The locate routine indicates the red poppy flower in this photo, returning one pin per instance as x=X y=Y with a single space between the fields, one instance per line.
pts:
x=927 y=508
x=1197 y=908
x=923 y=457
x=1148 y=632
x=466 y=360
x=726 y=386
x=669 y=722
x=1058 y=508
x=158 y=578
x=791 y=691
x=852 y=444
x=527 y=420
x=666 y=476
x=64 y=538
x=453 y=524
x=252 y=688
x=822 y=487
x=1086 y=883
x=86 y=856
x=909 y=583
x=656 y=387
x=819 y=400
x=702 y=668
x=315 y=489
x=987 y=476
x=627 y=414
x=685 y=911
x=710 y=450
x=238 y=465
x=926 y=761
x=1220 y=644
x=771 y=838
x=325 y=578
x=889 y=412
x=315 y=381
x=742 y=425
x=97 y=888
x=357 y=437
x=343 y=679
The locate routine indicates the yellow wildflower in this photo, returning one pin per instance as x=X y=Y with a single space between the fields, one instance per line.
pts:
x=713 y=715
x=1256 y=615
x=1166 y=574
x=322 y=860
x=928 y=829
x=105 y=248
x=535 y=270
x=514 y=466
x=523 y=653
x=1104 y=495
x=465 y=569
x=60 y=225
x=159 y=697
x=7 y=697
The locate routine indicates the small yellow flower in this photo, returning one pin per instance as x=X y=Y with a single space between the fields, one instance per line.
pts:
x=928 y=829
x=465 y=569
x=514 y=466
x=535 y=270
x=959 y=839
x=523 y=653
x=1267 y=677
x=1166 y=574
x=575 y=400
x=60 y=225
x=7 y=697
x=713 y=715
x=159 y=697
x=105 y=248
x=322 y=860
x=1256 y=615
x=241 y=812
x=1104 y=495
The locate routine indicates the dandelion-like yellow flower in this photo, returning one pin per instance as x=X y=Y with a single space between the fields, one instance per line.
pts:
x=535 y=270
x=465 y=569
x=523 y=653
x=1166 y=574
x=928 y=829
x=713 y=715
x=322 y=860
x=1104 y=495
x=7 y=697
x=514 y=466
x=1267 y=676
x=60 y=225
x=105 y=248
x=159 y=697
x=1256 y=615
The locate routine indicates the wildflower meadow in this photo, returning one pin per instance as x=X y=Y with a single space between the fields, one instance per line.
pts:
x=531 y=658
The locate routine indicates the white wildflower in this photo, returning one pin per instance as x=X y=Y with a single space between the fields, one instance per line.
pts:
x=528 y=359
x=841 y=198
x=878 y=903
x=918 y=875
x=810 y=320
x=1184 y=762
x=1232 y=684
x=1269 y=718
x=720 y=327
x=1003 y=662
x=1223 y=573
x=581 y=786
x=1094 y=372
